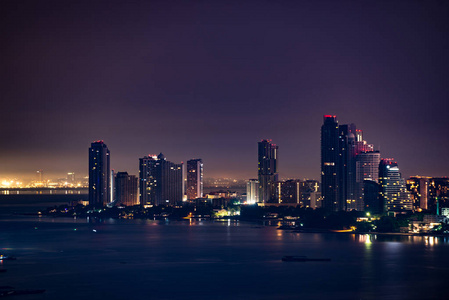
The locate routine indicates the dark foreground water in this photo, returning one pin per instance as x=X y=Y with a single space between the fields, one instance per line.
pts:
x=136 y=259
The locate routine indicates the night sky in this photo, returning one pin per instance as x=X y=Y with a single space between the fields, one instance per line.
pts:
x=210 y=79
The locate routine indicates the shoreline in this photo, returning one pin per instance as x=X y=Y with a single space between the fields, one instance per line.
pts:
x=305 y=230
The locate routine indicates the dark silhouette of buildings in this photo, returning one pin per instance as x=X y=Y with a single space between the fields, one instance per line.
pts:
x=126 y=189
x=194 y=187
x=99 y=174
x=371 y=197
x=289 y=191
x=341 y=146
x=346 y=167
x=267 y=171
x=161 y=181
x=329 y=163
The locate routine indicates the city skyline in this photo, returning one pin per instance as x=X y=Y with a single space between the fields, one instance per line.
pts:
x=190 y=78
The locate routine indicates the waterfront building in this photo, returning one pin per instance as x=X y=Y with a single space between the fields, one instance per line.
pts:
x=252 y=191
x=289 y=191
x=346 y=167
x=311 y=194
x=194 y=187
x=126 y=189
x=367 y=168
x=329 y=162
x=393 y=190
x=99 y=174
x=340 y=146
x=371 y=197
x=267 y=171
x=146 y=164
x=418 y=187
x=161 y=181
x=438 y=193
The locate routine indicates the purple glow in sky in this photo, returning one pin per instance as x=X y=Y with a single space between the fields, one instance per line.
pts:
x=209 y=79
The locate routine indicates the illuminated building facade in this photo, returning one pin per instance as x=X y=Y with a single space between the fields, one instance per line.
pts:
x=126 y=189
x=194 y=179
x=252 y=191
x=418 y=186
x=161 y=181
x=393 y=190
x=146 y=164
x=438 y=194
x=99 y=174
x=267 y=171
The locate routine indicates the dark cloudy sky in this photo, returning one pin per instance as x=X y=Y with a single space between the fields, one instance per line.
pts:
x=209 y=79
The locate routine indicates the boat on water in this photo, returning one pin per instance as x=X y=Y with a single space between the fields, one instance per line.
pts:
x=7 y=257
x=303 y=258
x=12 y=292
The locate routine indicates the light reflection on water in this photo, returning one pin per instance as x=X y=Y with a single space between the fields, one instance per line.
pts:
x=148 y=256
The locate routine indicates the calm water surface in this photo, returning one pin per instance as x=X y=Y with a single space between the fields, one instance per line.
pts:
x=138 y=259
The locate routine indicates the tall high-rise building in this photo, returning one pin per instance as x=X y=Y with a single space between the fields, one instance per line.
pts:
x=126 y=189
x=267 y=171
x=393 y=190
x=194 y=187
x=99 y=174
x=367 y=168
x=346 y=167
x=161 y=181
x=340 y=147
x=329 y=163
x=252 y=191
x=146 y=164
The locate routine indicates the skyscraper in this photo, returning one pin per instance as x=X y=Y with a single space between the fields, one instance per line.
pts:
x=126 y=189
x=267 y=170
x=160 y=181
x=194 y=179
x=346 y=167
x=367 y=168
x=340 y=146
x=393 y=192
x=99 y=174
x=329 y=162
